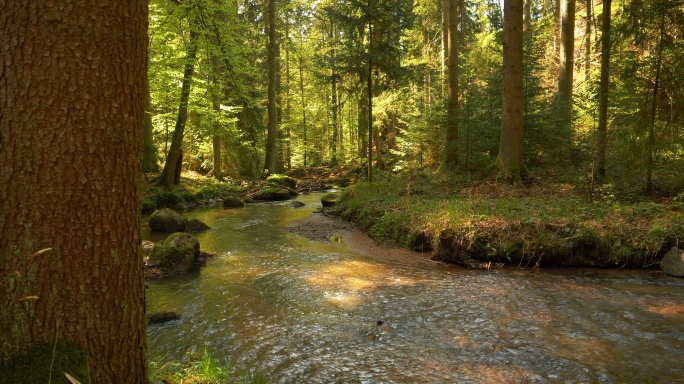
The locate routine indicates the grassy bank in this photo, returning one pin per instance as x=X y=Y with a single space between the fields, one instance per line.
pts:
x=537 y=225
x=199 y=368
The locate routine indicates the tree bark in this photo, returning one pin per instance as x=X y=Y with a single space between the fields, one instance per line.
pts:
x=216 y=106
x=272 y=130
x=654 y=109
x=587 y=43
x=72 y=101
x=168 y=176
x=451 y=145
x=510 y=158
x=565 y=75
x=603 y=93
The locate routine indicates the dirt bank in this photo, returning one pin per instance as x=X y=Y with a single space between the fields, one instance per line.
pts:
x=322 y=227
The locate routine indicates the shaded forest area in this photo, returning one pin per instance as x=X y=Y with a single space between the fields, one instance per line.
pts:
x=250 y=88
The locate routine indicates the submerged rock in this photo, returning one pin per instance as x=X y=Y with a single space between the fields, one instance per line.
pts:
x=195 y=225
x=167 y=220
x=161 y=317
x=673 y=262
x=297 y=204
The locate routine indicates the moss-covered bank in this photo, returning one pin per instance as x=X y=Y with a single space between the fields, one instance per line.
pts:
x=537 y=225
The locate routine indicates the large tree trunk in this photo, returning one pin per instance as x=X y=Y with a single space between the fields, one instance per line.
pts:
x=168 y=177
x=72 y=105
x=451 y=145
x=587 y=42
x=603 y=93
x=510 y=158
x=272 y=131
x=565 y=81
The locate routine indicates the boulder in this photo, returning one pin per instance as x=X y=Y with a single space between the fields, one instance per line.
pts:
x=329 y=200
x=232 y=202
x=167 y=220
x=273 y=194
x=673 y=262
x=177 y=254
x=285 y=181
x=195 y=225
x=297 y=204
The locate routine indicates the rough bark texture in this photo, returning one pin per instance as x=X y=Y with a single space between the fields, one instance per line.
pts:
x=270 y=161
x=72 y=100
x=603 y=93
x=565 y=75
x=171 y=168
x=451 y=146
x=510 y=159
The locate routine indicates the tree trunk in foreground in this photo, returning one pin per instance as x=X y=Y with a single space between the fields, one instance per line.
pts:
x=510 y=158
x=565 y=74
x=72 y=103
x=451 y=145
x=272 y=132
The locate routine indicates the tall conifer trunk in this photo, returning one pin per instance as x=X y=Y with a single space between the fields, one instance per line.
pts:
x=603 y=93
x=565 y=75
x=272 y=131
x=72 y=105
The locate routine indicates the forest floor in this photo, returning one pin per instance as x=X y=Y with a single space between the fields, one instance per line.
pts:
x=479 y=224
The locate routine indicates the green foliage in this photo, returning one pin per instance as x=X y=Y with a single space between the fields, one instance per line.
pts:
x=201 y=369
x=47 y=363
x=283 y=180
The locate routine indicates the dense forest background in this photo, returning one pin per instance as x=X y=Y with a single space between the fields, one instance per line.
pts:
x=246 y=87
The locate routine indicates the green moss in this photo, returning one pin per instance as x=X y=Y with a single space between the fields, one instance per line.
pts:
x=283 y=180
x=34 y=367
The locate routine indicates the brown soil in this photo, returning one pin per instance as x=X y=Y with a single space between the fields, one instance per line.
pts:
x=323 y=227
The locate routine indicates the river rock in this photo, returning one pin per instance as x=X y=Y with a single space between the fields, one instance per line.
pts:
x=177 y=254
x=167 y=220
x=673 y=262
x=296 y=204
x=195 y=225
x=232 y=202
x=286 y=181
x=329 y=200
x=161 y=317
x=273 y=194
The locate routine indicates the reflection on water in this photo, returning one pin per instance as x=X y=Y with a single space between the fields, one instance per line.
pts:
x=304 y=312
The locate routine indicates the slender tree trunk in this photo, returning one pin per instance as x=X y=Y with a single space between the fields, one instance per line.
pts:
x=565 y=76
x=149 y=149
x=288 y=108
x=73 y=85
x=510 y=158
x=603 y=93
x=451 y=146
x=272 y=134
x=301 y=88
x=335 y=101
x=654 y=109
x=171 y=166
x=370 y=94
x=445 y=41
x=216 y=105
x=587 y=43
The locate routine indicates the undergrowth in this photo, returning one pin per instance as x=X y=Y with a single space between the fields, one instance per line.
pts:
x=199 y=369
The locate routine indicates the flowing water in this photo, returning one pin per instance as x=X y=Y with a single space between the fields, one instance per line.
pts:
x=298 y=311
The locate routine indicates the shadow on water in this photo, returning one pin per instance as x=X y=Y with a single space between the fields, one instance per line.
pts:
x=304 y=312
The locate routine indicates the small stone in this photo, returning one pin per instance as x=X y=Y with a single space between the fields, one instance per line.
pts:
x=673 y=262
x=195 y=225
x=232 y=202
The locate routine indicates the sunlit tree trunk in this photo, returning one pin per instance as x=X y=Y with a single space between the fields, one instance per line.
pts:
x=272 y=131
x=565 y=75
x=603 y=93
x=72 y=103
x=451 y=146
x=587 y=42
x=171 y=170
x=510 y=158
x=216 y=105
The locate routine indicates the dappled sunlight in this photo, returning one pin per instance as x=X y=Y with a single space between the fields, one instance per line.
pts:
x=493 y=373
x=675 y=311
x=345 y=282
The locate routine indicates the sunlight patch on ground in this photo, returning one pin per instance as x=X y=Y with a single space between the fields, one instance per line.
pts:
x=672 y=310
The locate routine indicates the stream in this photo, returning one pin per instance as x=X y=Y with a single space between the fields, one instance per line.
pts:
x=296 y=311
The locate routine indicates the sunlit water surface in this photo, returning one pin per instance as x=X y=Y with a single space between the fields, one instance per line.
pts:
x=297 y=311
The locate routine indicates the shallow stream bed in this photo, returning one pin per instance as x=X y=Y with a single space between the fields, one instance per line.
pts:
x=298 y=311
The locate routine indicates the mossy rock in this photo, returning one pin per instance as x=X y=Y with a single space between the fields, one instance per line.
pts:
x=273 y=194
x=329 y=199
x=177 y=254
x=167 y=220
x=34 y=367
x=232 y=202
x=195 y=225
x=286 y=181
